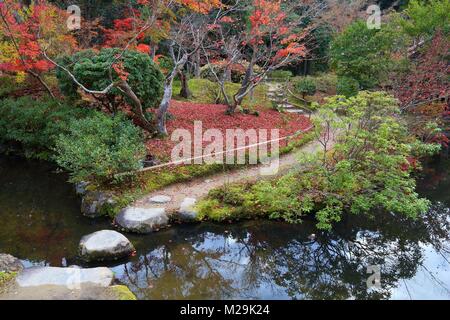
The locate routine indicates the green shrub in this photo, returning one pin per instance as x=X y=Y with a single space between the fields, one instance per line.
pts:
x=34 y=125
x=99 y=148
x=7 y=85
x=92 y=70
x=367 y=170
x=364 y=54
x=280 y=74
x=326 y=82
x=348 y=87
x=306 y=86
x=237 y=72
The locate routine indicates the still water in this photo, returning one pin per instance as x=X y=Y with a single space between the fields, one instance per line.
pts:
x=41 y=224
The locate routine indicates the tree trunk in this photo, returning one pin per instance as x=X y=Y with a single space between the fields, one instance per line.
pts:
x=227 y=75
x=197 y=70
x=184 y=92
x=137 y=107
x=168 y=88
x=243 y=90
x=163 y=107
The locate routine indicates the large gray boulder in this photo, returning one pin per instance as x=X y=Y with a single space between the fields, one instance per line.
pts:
x=71 y=278
x=93 y=202
x=8 y=263
x=142 y=220
x=105 y=245
x=187 y=210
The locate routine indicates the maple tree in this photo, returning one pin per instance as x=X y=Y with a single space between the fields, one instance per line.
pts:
x=24 y=30
x=130 y=32
x=428 y=79
x=267 y=38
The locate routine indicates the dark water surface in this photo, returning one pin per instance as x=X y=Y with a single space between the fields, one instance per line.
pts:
x=41 y=224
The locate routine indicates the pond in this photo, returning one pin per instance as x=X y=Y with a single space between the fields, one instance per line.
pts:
x=42 y=225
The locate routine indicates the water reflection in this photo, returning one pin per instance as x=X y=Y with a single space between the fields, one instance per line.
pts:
x=41 y=224
x=274 y=260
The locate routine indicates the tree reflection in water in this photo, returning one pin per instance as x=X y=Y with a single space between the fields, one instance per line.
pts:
x=275 y=260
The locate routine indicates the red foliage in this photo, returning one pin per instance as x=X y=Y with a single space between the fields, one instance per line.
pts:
x=23 y=27
x=429 y=79
x=213 y=117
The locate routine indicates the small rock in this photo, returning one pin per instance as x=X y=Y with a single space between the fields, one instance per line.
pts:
x=8 y=263
x=93 y=201
x=187 y=212
x=65 y=277
x=142 y=220
x=312 y=236
x=105 y=245
x=160 y=199
x=81 y=188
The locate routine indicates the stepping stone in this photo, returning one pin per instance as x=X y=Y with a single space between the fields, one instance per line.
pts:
x=187 y=212
x=160 y=199
x=105 y=245
x=142 y=220
x=294 y=111
x=286 y=106
x=65 y=277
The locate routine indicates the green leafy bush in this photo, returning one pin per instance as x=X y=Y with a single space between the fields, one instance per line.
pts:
x=33 y=125
x=369 y=168
x=422 y=18
x=363 y=54
x=237 y=70
x=8 y=85
x=306 y=86
x=92 y=70
x=100 y=147
x=326 y=82
x=347 y=86
x=280 y=74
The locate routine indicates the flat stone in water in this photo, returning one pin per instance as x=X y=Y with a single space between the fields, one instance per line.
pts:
x=187 y=212
x=160 y=199
x=105 y=245
x=142 y=220
x=65 y=277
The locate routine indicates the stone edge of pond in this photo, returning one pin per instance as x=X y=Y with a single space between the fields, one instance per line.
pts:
x=98 y=203
x=9 y=283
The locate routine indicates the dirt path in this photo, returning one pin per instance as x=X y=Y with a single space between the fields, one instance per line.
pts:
x=199 y=188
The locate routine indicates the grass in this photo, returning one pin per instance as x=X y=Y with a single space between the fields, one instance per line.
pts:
x=326 y=86
x=6 y=277
x=204 y=91
x=121 y=292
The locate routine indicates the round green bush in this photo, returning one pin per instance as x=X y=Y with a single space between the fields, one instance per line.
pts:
x=347 y=86
x=280 y=74
x=33 y=125
x=306 y=86
x=100 y=147
x=92 y=70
